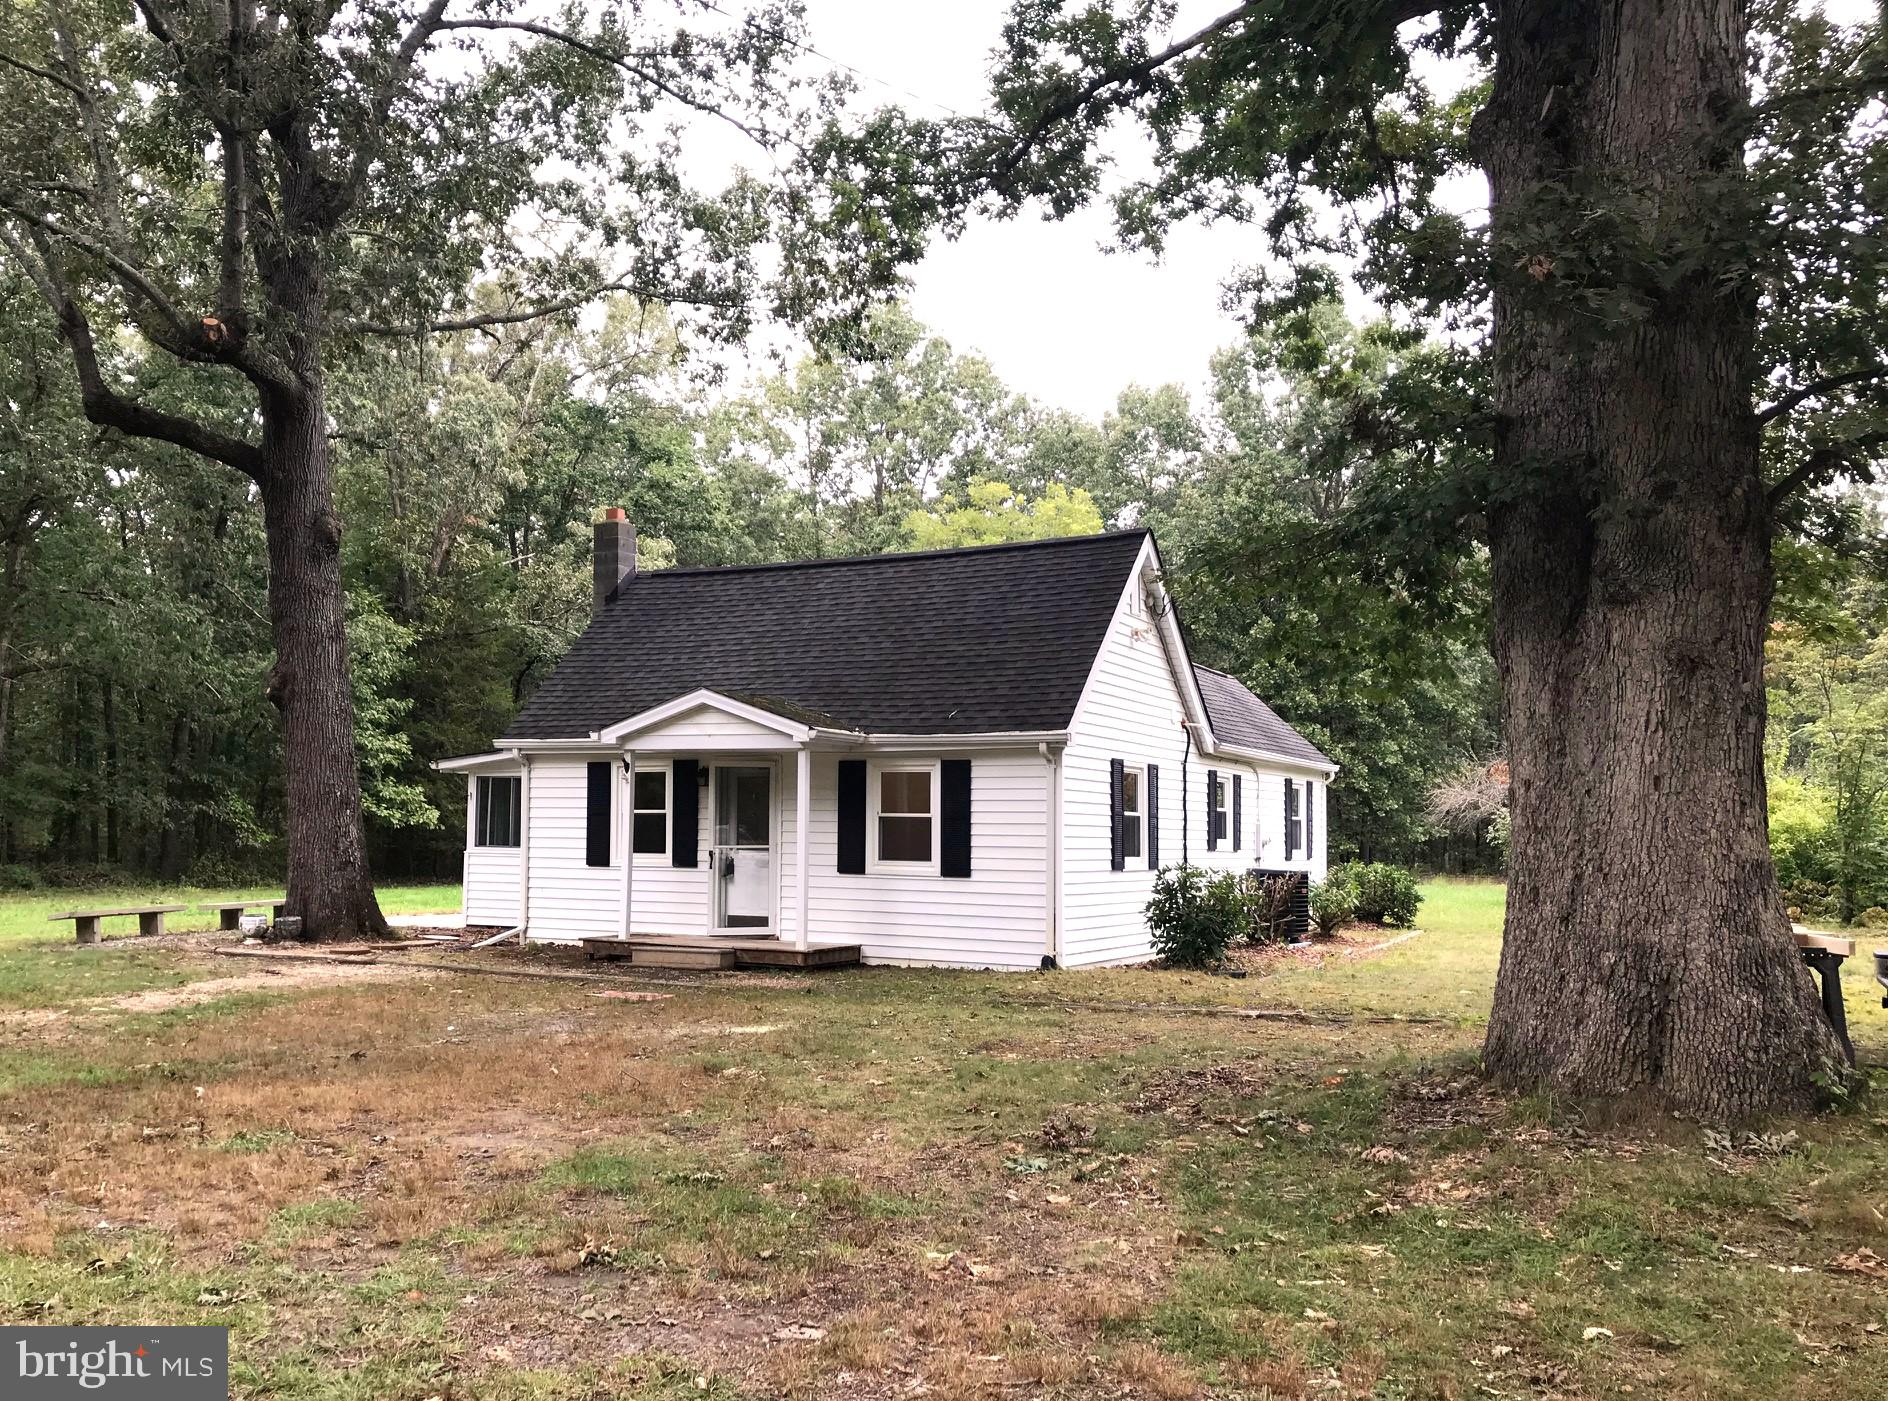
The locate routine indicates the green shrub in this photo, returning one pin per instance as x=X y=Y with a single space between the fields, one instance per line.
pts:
x=1194 y=916
x=1874 y=917
x=19 y=878
x=1811 y=899
x=1334 y=901
x=1385 y=894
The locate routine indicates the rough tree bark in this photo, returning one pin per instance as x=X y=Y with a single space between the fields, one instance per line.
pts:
x=329 y=885
x=1647 y=949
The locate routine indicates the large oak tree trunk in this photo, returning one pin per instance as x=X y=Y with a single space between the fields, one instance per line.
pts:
x=328 y=882
x=1647 y=951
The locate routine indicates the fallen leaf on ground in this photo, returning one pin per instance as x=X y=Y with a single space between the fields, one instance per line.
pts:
x=1861 y=1262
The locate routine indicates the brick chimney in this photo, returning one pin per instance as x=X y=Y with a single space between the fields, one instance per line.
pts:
x=614 y=559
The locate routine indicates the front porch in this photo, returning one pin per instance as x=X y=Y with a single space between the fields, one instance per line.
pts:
x=716 y=951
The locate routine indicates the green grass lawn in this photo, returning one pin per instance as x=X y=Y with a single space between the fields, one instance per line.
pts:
x=42 y=966
x=889 y=1182
x=25 y=917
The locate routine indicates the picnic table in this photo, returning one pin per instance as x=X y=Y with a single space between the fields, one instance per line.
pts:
x=85 y=922
x=230 y=912
x=1824 y=954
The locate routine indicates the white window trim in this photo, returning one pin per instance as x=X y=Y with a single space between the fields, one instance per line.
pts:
x=653 y=858
x=1140 y=814
x=873 y=865
x=479 y=790
x=1222 y=788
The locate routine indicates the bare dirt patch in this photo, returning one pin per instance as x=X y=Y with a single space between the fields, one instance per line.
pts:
x=286 y=978
x=309 y=975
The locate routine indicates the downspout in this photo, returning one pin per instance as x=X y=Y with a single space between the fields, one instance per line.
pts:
x=1186 y=788
x=1052 y=866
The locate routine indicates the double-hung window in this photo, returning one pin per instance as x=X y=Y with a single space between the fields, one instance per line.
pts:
x=496 y=817
x=1133 y=812
x=1222 y=822
x=904 y=817
x=649 y=819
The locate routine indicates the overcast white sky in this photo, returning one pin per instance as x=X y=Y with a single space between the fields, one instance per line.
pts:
x=1060 y=319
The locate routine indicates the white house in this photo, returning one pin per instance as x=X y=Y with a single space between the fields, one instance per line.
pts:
x=972 y=757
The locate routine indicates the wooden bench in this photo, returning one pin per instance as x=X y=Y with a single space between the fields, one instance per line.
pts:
x=1824 y=953
x=229 y=913
x=85 y=922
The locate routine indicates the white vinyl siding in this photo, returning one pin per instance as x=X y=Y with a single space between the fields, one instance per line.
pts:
x=705 y=731
x=1132 y=712
x=491 y=885
x=994 y=918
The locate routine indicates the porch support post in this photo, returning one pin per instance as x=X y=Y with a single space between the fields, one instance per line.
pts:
x=626 y=836
x=803 y=842
x=524 y=846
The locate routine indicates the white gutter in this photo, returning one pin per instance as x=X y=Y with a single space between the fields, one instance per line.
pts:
x=1270 y=756
x=989 y=739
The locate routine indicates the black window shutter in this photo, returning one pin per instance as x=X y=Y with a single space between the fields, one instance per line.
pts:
x=1238 y=807
x=1153 y=817
x=852 y=817
x=953 y=792
x=596 y=819
x=1212 y=813
x=1311 y=848
x=1291 y=811
x=684 y=812
x=1115 y=859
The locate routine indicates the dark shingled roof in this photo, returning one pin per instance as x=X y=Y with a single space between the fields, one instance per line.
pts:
x=985 y=640
x=1240 y=718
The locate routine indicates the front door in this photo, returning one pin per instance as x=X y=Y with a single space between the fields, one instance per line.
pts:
x=743 y=864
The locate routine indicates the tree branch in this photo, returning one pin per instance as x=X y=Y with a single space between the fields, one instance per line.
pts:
x=537 y=313
x=45 y=73
x=622 y=61
x=105 y=406
x=424 y=27
x=1828 y=459
x=1817 y=388
x=1135 y=76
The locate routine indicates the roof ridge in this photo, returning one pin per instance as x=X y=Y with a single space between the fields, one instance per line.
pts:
x=887 y=556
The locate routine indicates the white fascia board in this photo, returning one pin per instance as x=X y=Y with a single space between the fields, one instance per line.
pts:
x=591 y=746
x=694 y=700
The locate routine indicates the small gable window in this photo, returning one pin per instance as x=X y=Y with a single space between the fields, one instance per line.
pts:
x=496 y=821
x=904 y=817
x=1133 y=812
x=650 y=836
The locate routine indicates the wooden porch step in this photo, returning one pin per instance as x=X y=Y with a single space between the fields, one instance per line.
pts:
x=705 y=951
x=663 y=956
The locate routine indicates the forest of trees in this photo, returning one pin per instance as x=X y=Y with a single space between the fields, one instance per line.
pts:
x=136 y=738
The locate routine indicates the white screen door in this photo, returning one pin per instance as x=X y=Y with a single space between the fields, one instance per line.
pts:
x=744 y=850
